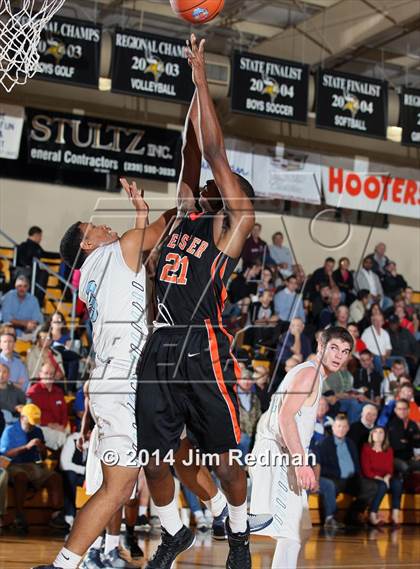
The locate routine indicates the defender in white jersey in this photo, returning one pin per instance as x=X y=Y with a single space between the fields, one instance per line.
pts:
x=283 y=436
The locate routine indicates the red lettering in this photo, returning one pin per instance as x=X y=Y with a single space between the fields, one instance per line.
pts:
x=336 y=179
x=201 y=249
x=353 y=184
x=184 y=241
x=172 y=242
x=410 y=192
x=397 y=189
x=194 y=244
x=386 y=180
x=372 y=187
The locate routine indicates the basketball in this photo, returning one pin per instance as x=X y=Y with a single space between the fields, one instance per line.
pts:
x=197 y=11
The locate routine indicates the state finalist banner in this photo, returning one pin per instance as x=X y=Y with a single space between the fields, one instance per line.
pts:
x=270 y=88
x=69 y=52
x=104 y=146
x=352 y=104
x=410 y=116
x=151 y=66
x=394 y=193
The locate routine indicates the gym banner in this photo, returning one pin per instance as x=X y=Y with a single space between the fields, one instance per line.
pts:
x=104 y=146
x=268 y=87
x=11 y=125
x=351 y=103
x=151 y=66
x=70 y=52
x=410 y=116
x=395 y=192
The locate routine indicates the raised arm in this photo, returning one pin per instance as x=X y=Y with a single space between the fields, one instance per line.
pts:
x=189 y=180
x=143 y=237
x=238 y=206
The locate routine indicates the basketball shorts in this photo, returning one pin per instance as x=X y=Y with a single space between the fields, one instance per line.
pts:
x=187 y=377
x=112 y=397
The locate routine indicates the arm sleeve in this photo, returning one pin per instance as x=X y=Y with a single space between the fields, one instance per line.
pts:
x=365 y=462
x=66 y=457
x=5 y=441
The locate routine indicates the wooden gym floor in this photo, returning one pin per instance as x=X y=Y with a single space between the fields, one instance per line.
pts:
x=363 y=549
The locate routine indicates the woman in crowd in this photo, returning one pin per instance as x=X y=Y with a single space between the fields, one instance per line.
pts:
x=344 y=280
x=377 y=462
x=61 y=342
x=41 y=353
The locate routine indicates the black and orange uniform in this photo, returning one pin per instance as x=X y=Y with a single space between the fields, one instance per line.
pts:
x=187 y=374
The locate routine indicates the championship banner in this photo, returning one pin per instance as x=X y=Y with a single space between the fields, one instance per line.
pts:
x=410 y=116
x=91 y=144
x=380 y=191
x=69 y=52
x=11 y=124
x=151 y=66
x=268 y=87
x=352 y=104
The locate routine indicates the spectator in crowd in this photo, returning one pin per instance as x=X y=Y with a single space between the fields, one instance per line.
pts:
x=391 y=381
x=340 y=472
x=328 y=314
x=61 y=342
x=266 y=282
x=350 y=402
x=294 y=342
x=21 y=308
x=398 y=309
x=321 y=276
x=60 y=335
x=281 y=255
x=320 y=302
x=405 y=391
x=41 y=353
x=300 y=275
x=367 y=279
x=377 y=462
x=23 y=442
x=249 y=410
x=26 y=253
x=50 y=399
x=18 y=371
x=408 y=301
x=244 y=284
x=359 y=431
x=73 y=468
x=343 y=279
x=377 y=341
x=404 y=437
x=4 y=478
x=255 y=248
x=79 y=407
x=288 y=303
x=379 y=259
x=261 y=377
x=12 y=398
x=323 y=423
x=359 y=345
x=403 y=343
x=393 y=283
x=359 y=307
x=262 y=320
x=367 y=379
x=333 y=403
x=342 y=316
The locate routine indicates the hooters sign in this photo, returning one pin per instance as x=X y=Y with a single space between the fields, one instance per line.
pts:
x=378 y=192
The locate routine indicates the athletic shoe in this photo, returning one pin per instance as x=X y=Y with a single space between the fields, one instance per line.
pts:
x=332 y=523
x=133 y=546
x=93 y=560
x=170 y=547
x=239 y=555
x=142 y=524
x=114 y=560
x=256 y=523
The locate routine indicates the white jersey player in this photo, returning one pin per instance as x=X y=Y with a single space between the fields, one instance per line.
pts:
x=283 y=436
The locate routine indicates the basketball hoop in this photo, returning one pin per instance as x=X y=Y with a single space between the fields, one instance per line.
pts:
x=21 y=24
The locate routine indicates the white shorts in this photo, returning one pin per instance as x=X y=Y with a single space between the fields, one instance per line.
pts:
x=275 y=492
x=112 y=401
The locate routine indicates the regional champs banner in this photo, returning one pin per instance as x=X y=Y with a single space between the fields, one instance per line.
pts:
x=352 y=104
x=410 y=116
x=69 y=52
x=151 y=66
x=91 y=144
x=269 y=87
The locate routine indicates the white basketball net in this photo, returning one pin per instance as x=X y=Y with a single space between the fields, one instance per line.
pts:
x=21 y=24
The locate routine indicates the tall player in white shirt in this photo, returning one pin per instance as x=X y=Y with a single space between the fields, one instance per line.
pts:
x=286 y=429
